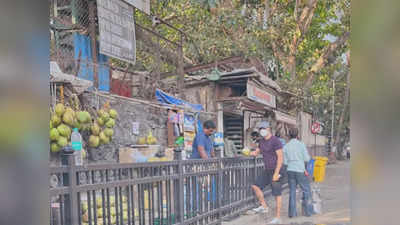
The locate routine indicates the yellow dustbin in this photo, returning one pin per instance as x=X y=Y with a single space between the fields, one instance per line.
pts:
x=319 y=168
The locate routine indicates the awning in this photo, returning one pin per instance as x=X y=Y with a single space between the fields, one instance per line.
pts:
x=164 y=98
x=239 y=104
x=79 y=85
x=283 y=117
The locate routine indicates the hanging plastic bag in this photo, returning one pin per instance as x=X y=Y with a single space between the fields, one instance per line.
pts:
x=316 y=199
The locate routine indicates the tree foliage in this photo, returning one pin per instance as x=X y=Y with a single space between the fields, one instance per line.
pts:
x=304 y=39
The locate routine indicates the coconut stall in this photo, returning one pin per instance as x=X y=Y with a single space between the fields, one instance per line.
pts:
x=119 y=129
x=67 y=112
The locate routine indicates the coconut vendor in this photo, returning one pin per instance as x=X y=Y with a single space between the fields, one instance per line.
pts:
x=203 y=147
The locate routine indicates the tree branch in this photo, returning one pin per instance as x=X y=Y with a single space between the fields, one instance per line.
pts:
x=310 y=15
x=279 y=54
x=327 y=52
x=170 y=17
x=302 y=24
x=296 y=10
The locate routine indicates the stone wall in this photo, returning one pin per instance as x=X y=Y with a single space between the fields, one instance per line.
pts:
x=150 y=117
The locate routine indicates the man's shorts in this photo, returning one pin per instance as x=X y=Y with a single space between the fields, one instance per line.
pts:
x=266 y=179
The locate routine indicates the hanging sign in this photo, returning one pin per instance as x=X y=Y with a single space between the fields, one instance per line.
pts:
x=135 y=128
x=142 y=5
x=189 y=123
x=261 y=96
x=117 y=30
x=218 y=139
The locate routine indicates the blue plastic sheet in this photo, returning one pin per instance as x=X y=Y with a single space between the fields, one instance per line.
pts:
x=82 y=43
x=164 y=98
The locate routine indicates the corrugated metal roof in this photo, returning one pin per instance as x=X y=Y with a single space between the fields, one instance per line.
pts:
x=236 y=74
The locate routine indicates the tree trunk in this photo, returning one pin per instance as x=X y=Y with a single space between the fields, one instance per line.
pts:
x=292 y=66
x=342 y=116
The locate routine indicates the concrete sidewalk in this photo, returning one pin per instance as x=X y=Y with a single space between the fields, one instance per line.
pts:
x=335 y=194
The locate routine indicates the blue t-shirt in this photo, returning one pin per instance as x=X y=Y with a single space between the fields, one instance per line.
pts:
x=201 y=140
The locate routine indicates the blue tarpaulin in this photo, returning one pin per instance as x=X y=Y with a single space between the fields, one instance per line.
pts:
x=170 y=100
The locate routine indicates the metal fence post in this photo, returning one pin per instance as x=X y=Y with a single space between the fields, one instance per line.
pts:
x=220 y=190
x=71 y=199
x=181 y=214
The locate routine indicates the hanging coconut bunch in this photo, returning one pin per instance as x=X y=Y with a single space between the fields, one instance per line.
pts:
x=102 y=129
x=63 y=119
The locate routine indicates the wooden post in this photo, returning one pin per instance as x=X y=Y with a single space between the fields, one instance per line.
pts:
x=181 y=72
x=92 y=34
x=220 y=123
x=246 y=126
x=158 y=68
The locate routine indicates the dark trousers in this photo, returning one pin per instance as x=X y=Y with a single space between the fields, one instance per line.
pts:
x=296 y=178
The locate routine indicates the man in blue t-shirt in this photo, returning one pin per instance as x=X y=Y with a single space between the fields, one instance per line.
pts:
x=203 y=144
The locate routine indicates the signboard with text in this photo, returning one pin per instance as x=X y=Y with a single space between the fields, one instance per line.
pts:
x=117 y=30
x=142 y=5
x=261 y=96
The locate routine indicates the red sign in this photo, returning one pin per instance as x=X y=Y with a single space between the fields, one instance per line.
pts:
x=257 y=94
x=316 y=128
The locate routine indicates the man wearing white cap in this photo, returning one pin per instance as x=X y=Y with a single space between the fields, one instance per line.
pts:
x=271 y=149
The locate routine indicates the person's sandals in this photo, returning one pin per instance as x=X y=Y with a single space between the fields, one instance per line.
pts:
x=260 y=209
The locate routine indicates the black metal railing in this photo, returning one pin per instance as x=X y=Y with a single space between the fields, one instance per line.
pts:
x=158 y=193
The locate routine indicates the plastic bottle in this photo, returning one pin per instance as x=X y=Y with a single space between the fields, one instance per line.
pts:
x=76 y=142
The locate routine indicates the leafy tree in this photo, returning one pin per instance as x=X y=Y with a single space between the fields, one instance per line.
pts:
x=305 y=40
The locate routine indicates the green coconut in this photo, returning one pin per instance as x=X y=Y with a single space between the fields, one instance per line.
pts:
x=62 y=141
x=54 y=147
x=95 y=129
x=68 y=118
x=125 y=215
x=110 y=123
x=101 y=112
x=64 y=130
x=82 y=117
x=51 y=125
x=100 y=121
x=103 y=138
x=88 y=117
x=54 y=134
x=77 y=124
x=94 y=141
x=113 y=113
x=108 y=132
x=100 y=210
x=56 y=120
x=59 y=109
x=69 y=109
x=84 y=207
x=105 y=116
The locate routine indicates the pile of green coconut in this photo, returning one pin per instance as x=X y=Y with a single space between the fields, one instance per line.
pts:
x=96 y=129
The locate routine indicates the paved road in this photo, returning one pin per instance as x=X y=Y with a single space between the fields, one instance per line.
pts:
x=335 y=193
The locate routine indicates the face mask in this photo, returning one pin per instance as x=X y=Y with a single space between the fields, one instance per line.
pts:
x=264 y=132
